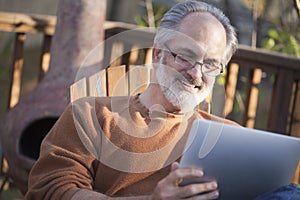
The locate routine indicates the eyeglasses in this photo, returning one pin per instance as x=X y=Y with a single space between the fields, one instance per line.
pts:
x=208 y=68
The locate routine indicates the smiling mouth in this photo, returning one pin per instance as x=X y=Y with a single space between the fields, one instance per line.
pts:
x=199 y=87
x=189 y=85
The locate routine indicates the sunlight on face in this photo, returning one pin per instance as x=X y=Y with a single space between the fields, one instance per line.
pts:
x=183 y=83
x=174 y=87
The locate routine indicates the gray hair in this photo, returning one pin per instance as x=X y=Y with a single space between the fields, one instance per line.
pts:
x=174 y=16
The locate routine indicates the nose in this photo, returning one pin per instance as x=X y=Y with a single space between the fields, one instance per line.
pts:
x=195 y=72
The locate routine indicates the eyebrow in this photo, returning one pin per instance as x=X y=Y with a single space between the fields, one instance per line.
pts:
x=190 y=53
x=212 y=60
x=187 y=52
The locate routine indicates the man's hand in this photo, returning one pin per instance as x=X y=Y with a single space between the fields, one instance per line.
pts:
x=168 y=187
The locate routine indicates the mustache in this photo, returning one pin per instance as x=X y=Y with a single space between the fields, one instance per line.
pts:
x=198 y=83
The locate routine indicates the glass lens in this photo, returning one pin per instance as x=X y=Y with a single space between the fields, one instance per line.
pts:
x=184 y=61
x=210 y=70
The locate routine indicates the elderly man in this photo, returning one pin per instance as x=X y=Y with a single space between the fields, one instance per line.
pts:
x=129 y=147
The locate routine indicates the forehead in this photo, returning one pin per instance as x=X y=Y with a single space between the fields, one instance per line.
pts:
x=202 y=33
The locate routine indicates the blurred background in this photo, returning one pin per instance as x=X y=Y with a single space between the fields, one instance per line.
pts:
x=267 y=24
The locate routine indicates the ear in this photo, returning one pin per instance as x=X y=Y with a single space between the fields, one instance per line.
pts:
x=156 y=54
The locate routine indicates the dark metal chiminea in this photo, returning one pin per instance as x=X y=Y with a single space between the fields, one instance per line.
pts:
x=79 y=28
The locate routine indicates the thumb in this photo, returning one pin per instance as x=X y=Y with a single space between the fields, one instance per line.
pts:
x=174 y=166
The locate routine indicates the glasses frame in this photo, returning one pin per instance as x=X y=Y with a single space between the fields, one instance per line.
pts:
x=176 y=56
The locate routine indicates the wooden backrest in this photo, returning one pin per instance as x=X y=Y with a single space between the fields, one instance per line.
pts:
x=113 y=81
x=117 y=81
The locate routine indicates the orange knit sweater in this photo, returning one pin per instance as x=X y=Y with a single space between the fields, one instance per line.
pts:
x=111 y=145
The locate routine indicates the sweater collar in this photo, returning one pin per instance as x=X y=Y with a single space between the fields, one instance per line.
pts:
x=146 y=112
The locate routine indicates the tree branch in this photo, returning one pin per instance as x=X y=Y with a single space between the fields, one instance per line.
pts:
x=150 y=13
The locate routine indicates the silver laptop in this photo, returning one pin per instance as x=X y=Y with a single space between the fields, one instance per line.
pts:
x=245 y=162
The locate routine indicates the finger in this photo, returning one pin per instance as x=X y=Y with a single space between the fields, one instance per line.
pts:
x=174 y=166
x=210 y=195
x=197 y=189
x=182 y=173
x=178 y=175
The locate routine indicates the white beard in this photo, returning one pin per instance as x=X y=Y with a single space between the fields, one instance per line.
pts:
x=173 y=89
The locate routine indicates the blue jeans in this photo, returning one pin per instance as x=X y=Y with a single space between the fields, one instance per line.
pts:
x=289 y=192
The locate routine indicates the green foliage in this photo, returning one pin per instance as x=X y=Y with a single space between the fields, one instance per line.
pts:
x=221 y=79
x=282 y=41
x=158 y=12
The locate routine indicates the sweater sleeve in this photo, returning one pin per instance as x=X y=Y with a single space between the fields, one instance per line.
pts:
x=208 y=116
x=65 y=166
